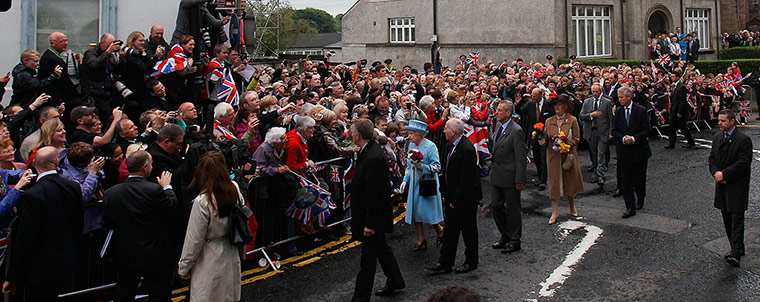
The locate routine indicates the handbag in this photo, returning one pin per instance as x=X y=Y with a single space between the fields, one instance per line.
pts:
x=240 y=232
x=428 y=187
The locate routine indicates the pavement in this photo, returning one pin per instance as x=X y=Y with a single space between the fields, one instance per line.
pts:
x=671 y=251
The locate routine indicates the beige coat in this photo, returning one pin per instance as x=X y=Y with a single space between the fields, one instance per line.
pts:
x=571 y=180
x=208 y=255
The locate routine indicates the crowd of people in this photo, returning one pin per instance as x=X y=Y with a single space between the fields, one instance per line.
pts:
x=742 y=38
x=122 y=171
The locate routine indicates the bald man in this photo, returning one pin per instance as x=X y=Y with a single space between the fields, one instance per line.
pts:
x=95 y=74
x=49 y=215
x=62 y=89
x=157 y=39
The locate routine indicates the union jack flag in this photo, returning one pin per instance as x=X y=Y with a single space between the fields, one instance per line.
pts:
x=334 y=174
x=311 y=203
x=744 y=110
x=472 y=58
x=664 y=59
x=658 y=114
x=681 y=63
x=727 y=88
x=228 y=91
x=175 y=60
x=348 y=177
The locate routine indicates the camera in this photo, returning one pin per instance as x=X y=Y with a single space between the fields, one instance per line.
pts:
x=134 y=52
x=105 y=158
x=118 y=42
x=387 y=87
x=206 y=37
x=122 y=89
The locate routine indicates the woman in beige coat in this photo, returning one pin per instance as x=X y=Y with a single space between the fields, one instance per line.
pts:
x=208 y=259
x=561 y=170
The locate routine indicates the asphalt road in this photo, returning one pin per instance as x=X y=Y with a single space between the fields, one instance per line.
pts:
x=671 y=251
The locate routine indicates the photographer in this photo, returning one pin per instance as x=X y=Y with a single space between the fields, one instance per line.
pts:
x=138 y=63
x=83 y=118
x=183 y=21
x=95 y=75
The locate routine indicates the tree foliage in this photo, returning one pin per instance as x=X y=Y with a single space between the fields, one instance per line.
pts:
x=321 y=20
x=292 y=23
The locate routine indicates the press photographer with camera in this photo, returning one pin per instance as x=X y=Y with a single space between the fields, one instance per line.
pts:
x=26 y=83
x=139 y=62
x=96 y=74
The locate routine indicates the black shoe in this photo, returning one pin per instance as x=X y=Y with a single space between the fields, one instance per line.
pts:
x=497 y=245
x=439 y=269
x=510 y=248
x=639 y=205
x=600 y=182
x=628 y=213
x=439 y=241
x=465 y=268
x=420 y=247
x=670 y=146
x=733 y=261
x=618 y=193
x=541 y=187
x=387 y=291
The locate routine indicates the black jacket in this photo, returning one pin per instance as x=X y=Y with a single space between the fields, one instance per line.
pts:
x=62 y=89
x=46 y=241
x=27 y=86
x=678 y=103
x=733 y=157
x=460 y=179
x=371 y=193
x=95 y=73
x=137 y=211
x=133 y=73
x=638 y=127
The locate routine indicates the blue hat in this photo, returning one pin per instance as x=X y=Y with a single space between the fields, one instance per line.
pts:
x=417 y=126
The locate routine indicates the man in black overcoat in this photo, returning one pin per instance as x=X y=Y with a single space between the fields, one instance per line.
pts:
x=730 y=164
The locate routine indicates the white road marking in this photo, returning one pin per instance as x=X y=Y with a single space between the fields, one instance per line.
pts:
x=561 y=273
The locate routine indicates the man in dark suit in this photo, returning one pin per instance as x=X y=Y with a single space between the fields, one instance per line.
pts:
x=507 y=177
x=137 y=212
x=611 y=91
x=460 y=187
x=730 y=164
x=372 y=214
x=531 y=113
x=47 y=237
x=62 y=89
x=597 y=116
x=692 y=46
x=629 y=132
x=679 y=113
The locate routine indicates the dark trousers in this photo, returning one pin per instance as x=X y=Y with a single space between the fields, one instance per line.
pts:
x=157 y=280
x=634 y=179
x=679 y=123
x=457 y=221
x=507 y=213
x=374 y=249
x=42 y=294
x=734 y=224
x=539 y=158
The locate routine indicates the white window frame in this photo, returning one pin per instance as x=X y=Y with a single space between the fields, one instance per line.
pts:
x=601 y=17
x=698 y=19
x=28 y=28
x=402 y=30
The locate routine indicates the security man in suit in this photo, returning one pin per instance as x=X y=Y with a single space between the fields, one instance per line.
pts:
x=507 y=177
x=730 y=164
x=372 y=214
x=597 y=116
x=679 y=113
x=460 y=187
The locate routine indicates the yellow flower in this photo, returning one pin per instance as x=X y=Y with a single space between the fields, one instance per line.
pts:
x=534 y=133
x=562 y=133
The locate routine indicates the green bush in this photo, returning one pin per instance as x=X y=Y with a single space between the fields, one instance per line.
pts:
x=744 y=52
x=704 y=66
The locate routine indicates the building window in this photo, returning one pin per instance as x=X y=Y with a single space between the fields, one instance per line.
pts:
x=401 y=30
x=593 y=31
x=698 y=20
x=78 y=19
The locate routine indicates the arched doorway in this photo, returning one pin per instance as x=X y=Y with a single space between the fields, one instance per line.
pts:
x=659 y=22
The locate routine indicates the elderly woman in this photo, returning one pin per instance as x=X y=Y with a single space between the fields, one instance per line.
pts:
x=562 y=167
x=434 y=122
x=271 y=189
x=297 y=148
x=421 y=208
x=224 y=119
x=7 y=154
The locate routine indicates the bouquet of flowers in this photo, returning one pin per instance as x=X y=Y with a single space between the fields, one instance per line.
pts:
x=560 y=143
x=415 y=157
x=538 y=132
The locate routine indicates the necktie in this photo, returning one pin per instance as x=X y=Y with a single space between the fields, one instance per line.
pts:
x=538 y=112
x=596 y=105
x=627 y=115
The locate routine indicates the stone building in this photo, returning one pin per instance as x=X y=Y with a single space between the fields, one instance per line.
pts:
x=738 y=14
x=405 y=30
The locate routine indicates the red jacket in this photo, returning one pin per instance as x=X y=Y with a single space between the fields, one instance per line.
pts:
x=296 y=151
x=434 y=124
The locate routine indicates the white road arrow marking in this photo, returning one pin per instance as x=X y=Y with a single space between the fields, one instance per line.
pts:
x=561 y=273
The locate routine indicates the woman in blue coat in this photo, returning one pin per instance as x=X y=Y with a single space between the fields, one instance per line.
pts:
x=422 y=209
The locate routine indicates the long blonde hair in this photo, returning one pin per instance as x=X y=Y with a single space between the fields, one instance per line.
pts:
x=46 y=133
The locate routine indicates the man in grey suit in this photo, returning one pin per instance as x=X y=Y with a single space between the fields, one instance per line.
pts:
x=597 y=116
x=507 y=177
